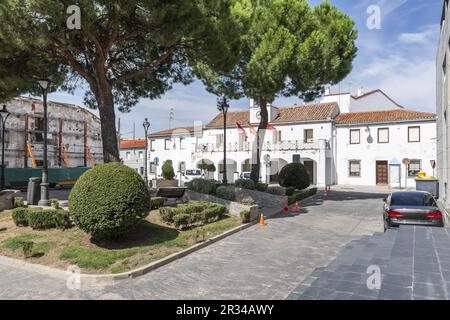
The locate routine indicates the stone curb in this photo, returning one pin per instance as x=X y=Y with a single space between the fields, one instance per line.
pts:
x=109 y=279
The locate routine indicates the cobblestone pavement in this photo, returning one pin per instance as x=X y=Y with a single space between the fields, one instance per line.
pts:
x=413 y=262
x=256 y=263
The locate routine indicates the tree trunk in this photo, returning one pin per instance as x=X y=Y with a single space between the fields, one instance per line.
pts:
x=256 y=163
x=105 y=102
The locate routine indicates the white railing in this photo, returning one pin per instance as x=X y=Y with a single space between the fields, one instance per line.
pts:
x=289 y=145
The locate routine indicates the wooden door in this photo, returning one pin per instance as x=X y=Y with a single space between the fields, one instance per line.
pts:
x=382 y=173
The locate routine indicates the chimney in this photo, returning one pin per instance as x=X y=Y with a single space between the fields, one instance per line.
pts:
x=360 y=91
x=327 y=91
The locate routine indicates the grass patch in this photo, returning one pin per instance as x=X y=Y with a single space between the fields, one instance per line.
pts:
x=5 y=214
x=15 y=243
x=150 y=241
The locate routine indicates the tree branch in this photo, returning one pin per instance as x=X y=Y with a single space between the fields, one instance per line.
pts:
x=149 y=68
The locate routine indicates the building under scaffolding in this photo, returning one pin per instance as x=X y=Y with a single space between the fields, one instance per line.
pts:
x=74 y=135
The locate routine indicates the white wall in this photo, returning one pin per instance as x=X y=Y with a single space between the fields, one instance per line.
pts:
x=375 y=101
x=397 y=148
x=135 y=160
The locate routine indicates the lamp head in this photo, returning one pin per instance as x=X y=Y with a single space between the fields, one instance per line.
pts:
x=44 y=83
x=146 y=124
x=3 y=110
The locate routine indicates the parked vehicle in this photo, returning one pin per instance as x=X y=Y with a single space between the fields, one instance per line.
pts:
x=411 y=207
x=245 y=175
x=190 y=175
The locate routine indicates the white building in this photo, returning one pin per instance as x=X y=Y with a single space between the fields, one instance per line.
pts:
x=132 y=154
x=442 y=104
x=336 y=146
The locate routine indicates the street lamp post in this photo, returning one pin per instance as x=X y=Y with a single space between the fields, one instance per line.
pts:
x=44 y=184
x=4 y=114
x=223 y=107
x=146 y=125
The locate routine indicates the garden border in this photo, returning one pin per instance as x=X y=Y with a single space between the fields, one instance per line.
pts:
x=109 y=279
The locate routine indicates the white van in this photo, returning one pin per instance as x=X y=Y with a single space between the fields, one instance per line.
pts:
x=191 y=174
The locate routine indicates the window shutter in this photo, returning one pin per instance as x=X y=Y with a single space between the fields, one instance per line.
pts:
x=414 y=134
x=383 y=135
x=354 y=136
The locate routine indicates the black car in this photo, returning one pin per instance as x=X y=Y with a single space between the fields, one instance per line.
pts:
x=411 y=207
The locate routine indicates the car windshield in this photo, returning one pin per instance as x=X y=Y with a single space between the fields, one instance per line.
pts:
x=412 y=199
x=193 y=172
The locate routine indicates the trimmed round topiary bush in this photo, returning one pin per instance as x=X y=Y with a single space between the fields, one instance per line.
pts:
x=294 y=175
x=202 y=186
x=108 y=200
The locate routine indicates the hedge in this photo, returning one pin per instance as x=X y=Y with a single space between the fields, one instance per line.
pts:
x=300 y=195
x=192 y=213
x=202 y=186
x=109 y=200
x=275 y=190
x=290 y=191
x=167 y=170
x=41 y=219
x=245 y=216
x=261 y=187
x=226 y=192
x=245 y=184
x=157 y=202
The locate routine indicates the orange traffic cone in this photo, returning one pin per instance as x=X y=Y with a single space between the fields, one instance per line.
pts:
x=296 y=207
x=286 y=209
x=261 y=221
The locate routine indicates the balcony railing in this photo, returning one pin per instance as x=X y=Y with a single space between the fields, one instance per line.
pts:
x=289 y=145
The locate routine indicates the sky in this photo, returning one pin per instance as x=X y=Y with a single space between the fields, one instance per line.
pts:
x=398 y=58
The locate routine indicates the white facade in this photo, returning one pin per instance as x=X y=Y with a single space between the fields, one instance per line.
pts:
x=442 y=104
x=385 y=145
x=132 y=154
x=321 y=143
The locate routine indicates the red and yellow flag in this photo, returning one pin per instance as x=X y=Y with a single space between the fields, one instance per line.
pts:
x=269 y=127
x=241 y=129
x=252 y=129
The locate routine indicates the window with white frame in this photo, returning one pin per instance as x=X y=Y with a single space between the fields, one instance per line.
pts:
x=167 y=144
x=152 y=144
x=383 y=135
x=355 y=136
x=219 y=139
x=152 y=167
x=354 y=168
x=414 y=134
x=308 y=135
x=414 y=168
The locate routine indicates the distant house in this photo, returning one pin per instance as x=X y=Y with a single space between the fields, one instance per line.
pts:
x=132 y=154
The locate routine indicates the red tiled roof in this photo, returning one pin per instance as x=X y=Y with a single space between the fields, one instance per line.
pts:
x=176 y=131
x=383 y=116
x=130 y=143
x=309 y=112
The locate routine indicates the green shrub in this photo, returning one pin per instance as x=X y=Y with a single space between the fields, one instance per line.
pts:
x=245 y=216
x=290 y=191
x=27 y=248
x=198 y=217
x=202 y=186
x=300 y=195
x=20 y=217
x=192 y=207
x=54 y=203
x=167 y=170
x=62 y=219
x=108 y=200
x=214 y=213
x=261 y=186
x=157 y=202
x=182 y=220
x=19 y=202
x=275 y=190
x=294 y=175
x=41 y=219
x=226 y=192
x=245 y=184
x=167 y=213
